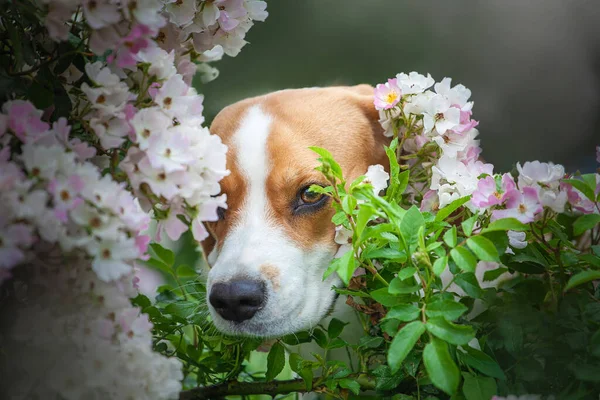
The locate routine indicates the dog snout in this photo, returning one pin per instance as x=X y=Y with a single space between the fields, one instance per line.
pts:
x=238 y=300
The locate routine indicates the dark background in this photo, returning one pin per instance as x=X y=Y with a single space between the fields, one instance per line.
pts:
x=533 y=65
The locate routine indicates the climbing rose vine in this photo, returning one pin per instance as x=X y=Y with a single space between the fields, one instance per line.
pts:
x=100 y=134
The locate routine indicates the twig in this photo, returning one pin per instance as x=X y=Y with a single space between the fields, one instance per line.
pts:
x=271 y=388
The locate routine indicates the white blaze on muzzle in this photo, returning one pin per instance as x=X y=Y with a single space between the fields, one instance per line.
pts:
x=261 y=282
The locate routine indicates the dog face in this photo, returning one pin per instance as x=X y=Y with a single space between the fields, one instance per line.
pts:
x=275 y=240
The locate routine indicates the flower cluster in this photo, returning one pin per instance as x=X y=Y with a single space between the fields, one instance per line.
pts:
x=52 y=193
x=420 y=116
x=95 y=336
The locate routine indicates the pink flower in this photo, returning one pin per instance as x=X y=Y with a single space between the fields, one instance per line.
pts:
x=490 y=193
x=430 y=201
x=137 y=40
x=231 y=13
x=25 y=120
x=577 y=200
x=172 y=225
x=387 y=95
x=66 y=195
x=520 y=205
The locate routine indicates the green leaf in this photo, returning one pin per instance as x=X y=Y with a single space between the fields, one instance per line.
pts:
x=583 y=187
x=478 y=387
x=506 y=224
x=403 y=312
x=185 y=271
x=346 y=267
x=403 y=343
x=364 y=214
x=450 y=237
x=463 y=259
x=448 y=309
x=406 y=273
x=370 y=342
x=410 y=225
x=451 y=333
x=306 y=373
x=350 y=384
x=585 y=222
x=482 y=362
x=399 y=286
x=335 y=328
x=320 y=337
x=468 y=225
x=483 y=248
x=327 y=159
x=442 y=370
x=439 y=265
x=450 y=208
x=494 y=274
x=581 y=278
x=468 y=282
x=402 y=181
x=387 y=253
x=160 y=253
x=386 y=299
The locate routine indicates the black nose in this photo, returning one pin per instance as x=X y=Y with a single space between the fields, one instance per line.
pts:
x=238 y=300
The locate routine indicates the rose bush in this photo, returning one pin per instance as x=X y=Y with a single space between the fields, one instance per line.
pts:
x=468 y=283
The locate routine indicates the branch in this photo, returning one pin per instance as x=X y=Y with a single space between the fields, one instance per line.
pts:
x=271 y=388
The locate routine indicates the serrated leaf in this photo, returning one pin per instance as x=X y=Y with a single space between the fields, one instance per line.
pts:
x=160 y=253
x=439 y=265
x=581 y=278
x=410 y=225
x=403 y=312
x=275 y=361
x=450 y=208
x=386 y=299
x=482 y=362
x=370 y=342
x=585 y=222
x=442 y=370
x=362 y=218
x=494 y=274
x=448 y=309
x=483 y=248
x=350 y=384
x=320 y=337
x=185 y=271
x=450 y=237
x=403 y=343
x=451 y=333
x=406 y=273
x=468 y=282
x=478 y=387
x=346 y=267
x=506 y=224
x=463 y=259
x=399 y=286
x=335 y=328
x=468 y=225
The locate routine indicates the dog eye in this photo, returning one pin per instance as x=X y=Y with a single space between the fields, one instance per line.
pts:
x=309 y=197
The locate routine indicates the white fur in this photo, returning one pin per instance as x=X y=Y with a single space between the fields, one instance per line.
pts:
x=302 y=298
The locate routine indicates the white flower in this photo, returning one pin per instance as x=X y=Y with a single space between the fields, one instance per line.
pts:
x=439 y=115
x=342 y=235
x=182 y=12
x=161 y=63
x=41 y=161
x=453 y=143
x=517 y=239
x=414 y=82
x=111 y=132
x=149 y=123
x=458 y=95
x=377 y=177
x=538 y=173
x=101 y=13
x=111 y=257
x=257 y=9
x=171 y=151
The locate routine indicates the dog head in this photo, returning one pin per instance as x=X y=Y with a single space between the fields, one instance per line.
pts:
x=275 y=240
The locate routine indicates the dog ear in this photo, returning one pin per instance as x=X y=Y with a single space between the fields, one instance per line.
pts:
x=363 y=95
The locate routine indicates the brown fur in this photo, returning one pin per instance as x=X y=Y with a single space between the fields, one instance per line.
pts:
x=339 y=119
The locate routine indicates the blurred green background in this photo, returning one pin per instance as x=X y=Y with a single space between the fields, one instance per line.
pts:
x=533 y=66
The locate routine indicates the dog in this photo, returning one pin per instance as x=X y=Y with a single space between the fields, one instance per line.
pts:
x=268 y=251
